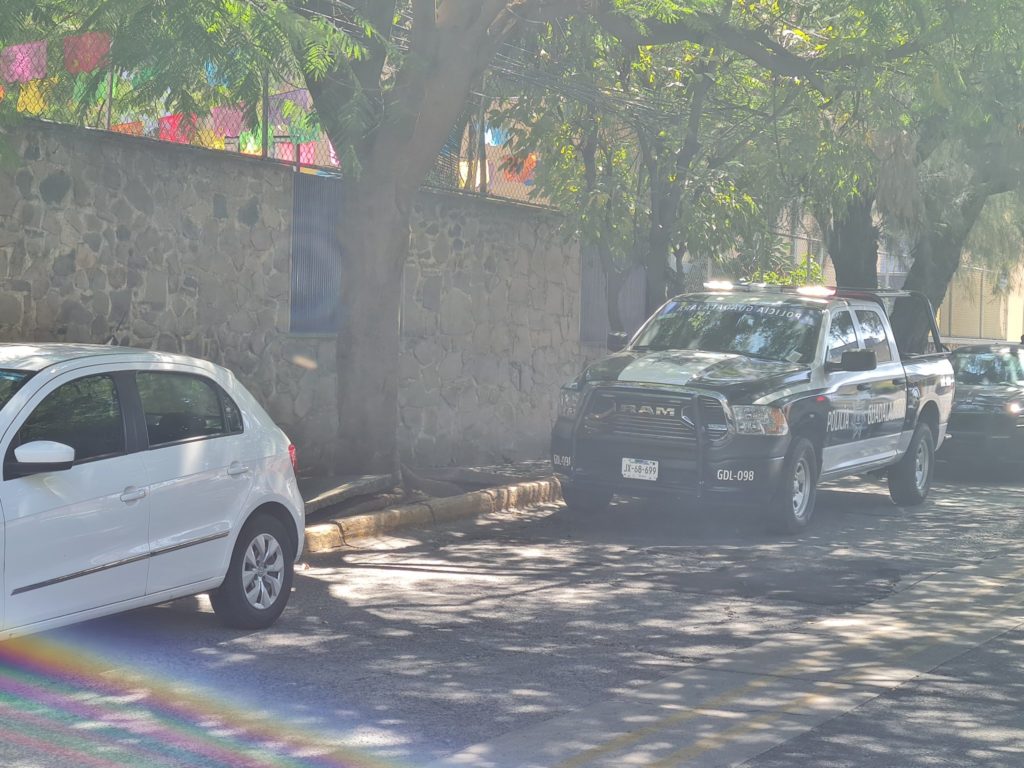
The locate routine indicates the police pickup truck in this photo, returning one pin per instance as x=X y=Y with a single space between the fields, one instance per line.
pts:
x=751 y=395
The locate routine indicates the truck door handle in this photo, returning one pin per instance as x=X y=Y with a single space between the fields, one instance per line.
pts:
x=133 y=494
x=864 y=386
x=237 y=469
x=900 y=382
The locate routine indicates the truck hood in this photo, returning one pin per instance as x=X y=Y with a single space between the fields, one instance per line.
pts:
x=733 y=375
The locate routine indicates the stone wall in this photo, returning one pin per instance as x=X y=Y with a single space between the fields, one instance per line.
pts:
x=188 y=250
x=490 y=330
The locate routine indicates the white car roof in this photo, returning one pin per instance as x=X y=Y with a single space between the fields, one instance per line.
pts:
x=36 y=357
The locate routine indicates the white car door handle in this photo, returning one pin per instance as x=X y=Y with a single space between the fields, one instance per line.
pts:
x=237 y=469
x=133 y=494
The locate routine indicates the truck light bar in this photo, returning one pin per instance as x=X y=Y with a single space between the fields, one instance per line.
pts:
x=817 y=291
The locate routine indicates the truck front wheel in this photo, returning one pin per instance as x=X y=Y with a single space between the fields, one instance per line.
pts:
x=792 y=506
x=911 y=479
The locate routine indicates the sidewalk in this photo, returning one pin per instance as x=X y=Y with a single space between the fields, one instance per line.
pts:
x=321 y=492
x=334 y=518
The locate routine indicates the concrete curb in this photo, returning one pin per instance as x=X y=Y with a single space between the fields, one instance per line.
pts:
x=346 y=531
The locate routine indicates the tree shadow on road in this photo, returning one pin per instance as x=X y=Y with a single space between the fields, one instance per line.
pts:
x=418 y=645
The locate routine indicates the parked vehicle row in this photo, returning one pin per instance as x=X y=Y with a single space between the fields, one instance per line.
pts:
x=131 y=477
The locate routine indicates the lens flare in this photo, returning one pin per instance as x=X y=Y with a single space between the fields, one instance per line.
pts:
x=70 y=708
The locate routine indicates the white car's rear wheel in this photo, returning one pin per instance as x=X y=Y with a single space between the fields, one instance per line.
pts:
x=259 y=578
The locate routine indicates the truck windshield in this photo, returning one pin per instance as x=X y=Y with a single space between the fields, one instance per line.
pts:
x=995 y=367
x=767 y=331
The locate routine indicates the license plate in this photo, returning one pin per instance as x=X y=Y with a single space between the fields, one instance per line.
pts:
x=640 y=469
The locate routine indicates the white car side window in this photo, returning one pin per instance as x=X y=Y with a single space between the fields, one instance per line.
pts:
x=179 y=407
x=85 y=414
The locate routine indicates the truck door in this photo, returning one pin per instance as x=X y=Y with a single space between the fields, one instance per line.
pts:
x=887 y=407
x=845 y=397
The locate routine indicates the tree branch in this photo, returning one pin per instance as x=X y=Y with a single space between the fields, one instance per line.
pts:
x=753 y=44
x=368 y=71
x=334 y=94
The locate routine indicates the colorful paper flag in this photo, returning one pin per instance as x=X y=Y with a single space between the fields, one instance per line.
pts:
x=227 y=121
x=177 y=128
x=134 y=128
x=85 y=53
x=23 y=63
x=522 y=171
x=284 y=150
x=30 y=98
x=209 y=140
x=308 y=152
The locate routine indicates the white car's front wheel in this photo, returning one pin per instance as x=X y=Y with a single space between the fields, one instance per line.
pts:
x=259 y=578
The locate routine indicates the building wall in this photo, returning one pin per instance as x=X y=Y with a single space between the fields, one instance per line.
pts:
x=187 y=250
x=976 y=308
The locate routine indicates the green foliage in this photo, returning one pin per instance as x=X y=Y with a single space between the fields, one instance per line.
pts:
x=805 y=273
x=696 y=146
x=169 y=48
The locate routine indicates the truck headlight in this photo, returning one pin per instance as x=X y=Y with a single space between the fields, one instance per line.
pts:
x=1016 y=408
x=759 y=420
x=568 y=402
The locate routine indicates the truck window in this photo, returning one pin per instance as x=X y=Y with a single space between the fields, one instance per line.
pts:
x=841 y=336
x=765 y=330
x=872 y=330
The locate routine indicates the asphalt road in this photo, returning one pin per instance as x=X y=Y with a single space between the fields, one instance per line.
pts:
x=642 y=635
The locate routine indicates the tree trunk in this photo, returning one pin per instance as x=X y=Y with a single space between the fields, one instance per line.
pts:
x=374 y=232
x=656 y=265
x=853 y=245
x=449 y=50
x=937 y=257
x=614 y=280
x=936 y=260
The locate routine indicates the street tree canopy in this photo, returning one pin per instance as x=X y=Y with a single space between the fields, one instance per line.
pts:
x=388 y=78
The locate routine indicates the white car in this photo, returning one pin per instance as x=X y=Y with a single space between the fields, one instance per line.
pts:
x=133 y=477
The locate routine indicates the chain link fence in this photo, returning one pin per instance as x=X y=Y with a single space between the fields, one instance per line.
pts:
x=74 y=85
x=71 y=82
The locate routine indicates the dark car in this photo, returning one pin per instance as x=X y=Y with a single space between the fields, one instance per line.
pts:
x=987 y=423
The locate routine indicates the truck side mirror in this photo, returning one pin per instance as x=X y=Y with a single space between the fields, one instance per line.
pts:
x=855 y=361
x=617 y=342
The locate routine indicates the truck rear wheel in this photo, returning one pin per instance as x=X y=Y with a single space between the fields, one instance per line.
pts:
x=792 y=506
x=911 y=479
x=585 y=500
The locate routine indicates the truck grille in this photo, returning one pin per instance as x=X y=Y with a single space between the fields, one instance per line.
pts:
x=645 y=415
x=716 y=425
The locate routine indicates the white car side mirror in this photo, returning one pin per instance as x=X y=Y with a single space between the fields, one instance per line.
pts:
x=43 y=456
